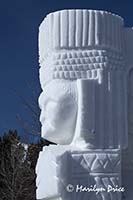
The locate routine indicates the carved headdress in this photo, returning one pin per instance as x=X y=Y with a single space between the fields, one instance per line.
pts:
x=73 y=44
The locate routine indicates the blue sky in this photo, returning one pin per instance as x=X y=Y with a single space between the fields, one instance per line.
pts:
x=19 y=22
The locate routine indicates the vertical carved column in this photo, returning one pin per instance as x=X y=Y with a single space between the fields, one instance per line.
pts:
x=83 y=68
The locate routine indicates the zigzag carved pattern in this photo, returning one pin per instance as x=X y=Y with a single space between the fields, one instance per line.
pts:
x=97 y=163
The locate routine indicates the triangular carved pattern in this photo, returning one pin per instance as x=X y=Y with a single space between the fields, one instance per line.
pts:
x=96 y=163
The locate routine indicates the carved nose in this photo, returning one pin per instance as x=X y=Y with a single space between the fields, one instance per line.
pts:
x=42 y=118
x=40 y=100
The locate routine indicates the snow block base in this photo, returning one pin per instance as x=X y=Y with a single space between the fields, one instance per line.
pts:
x=73 y=174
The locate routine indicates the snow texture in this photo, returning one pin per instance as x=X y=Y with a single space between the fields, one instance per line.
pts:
x=85 y=57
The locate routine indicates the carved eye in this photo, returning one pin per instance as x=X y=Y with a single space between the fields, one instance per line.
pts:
x=60 y=111
x=67 y=107
x=51 y=109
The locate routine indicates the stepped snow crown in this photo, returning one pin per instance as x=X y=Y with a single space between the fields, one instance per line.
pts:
x=74 y=43
x=73 y=29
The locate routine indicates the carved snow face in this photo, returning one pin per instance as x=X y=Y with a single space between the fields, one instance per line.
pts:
x=58 y=111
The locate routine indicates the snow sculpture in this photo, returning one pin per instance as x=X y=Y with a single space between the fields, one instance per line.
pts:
x=84 y=59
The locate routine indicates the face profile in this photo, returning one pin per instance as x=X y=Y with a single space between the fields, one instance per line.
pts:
x=58 y=111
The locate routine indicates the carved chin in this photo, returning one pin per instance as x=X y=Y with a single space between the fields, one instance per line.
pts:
x=57 y=136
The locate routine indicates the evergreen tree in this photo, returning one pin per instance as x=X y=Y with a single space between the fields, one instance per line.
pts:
x=17 y=167
x=11 y=164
